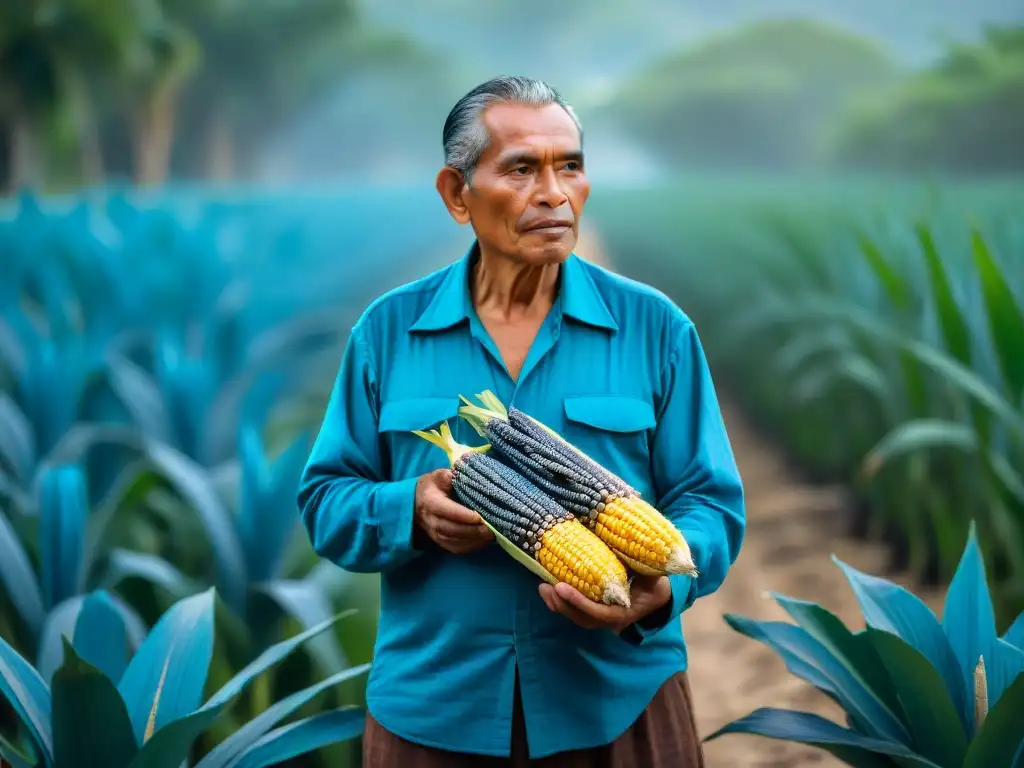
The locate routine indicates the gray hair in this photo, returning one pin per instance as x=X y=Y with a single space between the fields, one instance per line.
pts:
x=464 y=136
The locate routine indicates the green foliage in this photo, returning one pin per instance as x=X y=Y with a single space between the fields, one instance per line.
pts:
x=758 y=97
x=965 y=113
x=874 y=330
x=146 y=709
x=915 y=691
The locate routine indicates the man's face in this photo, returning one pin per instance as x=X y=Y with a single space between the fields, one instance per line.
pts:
x=529 y=188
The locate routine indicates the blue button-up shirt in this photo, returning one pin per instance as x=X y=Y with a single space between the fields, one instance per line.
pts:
x=619 y=371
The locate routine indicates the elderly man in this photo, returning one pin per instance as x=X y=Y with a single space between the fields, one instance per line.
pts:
x=477 y=662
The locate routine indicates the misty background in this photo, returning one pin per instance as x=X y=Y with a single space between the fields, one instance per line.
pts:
x=341 y=89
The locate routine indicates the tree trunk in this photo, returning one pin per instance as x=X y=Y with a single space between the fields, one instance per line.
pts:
x=90 y=148
x=154 y=137
x=24 y=160
x=220 y=155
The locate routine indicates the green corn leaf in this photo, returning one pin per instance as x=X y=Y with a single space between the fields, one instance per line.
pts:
x=951 y=320
x=89 y=717
x=919 y=435
x=895 y=285
x=521 y=557
x=228 y=751
x=1005 y=317
x=165 y=679
x=850 y=747
x=303 y=737
x=929 y=713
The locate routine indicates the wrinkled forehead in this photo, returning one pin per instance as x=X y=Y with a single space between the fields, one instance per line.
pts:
x=546 y=131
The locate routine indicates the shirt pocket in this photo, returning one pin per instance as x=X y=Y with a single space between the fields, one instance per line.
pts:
x=411 y=455
x=613 y=430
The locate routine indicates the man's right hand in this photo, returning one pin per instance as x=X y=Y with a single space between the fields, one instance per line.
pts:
x=450 y=525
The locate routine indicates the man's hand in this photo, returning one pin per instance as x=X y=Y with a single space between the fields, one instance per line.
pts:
x=450 y=525
x=647 y=594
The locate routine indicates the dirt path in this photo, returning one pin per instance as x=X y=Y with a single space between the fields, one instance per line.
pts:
x=792 y=531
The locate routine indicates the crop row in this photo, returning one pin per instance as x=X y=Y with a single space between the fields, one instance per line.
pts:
x=875 y=329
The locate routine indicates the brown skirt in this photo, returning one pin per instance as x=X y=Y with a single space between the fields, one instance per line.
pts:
x=664 y=736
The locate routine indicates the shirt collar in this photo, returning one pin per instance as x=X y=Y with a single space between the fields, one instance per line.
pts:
x=578 y=297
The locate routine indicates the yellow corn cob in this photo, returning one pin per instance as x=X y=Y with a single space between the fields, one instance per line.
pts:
x=641 y=536
x=534 y=527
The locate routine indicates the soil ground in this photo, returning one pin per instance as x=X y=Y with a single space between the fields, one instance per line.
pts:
x=793 y=529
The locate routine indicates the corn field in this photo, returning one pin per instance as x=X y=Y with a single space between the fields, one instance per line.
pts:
x=875 y=330
x=163 y=365
x=165 y=359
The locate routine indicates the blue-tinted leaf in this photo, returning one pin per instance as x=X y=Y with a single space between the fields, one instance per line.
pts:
x=1015 y=634
x=126 y=564
x=15 y=756
x=169 y=746
x=267 y=659
x=880 y=707
x=17 y=443
x=267 y=512
x=18 y=579
x=804 y=728
x=101 y=637
x=308 y=603
x=968 y=619
x=140 y=395
x=59 y=624
x=194 y=485
x=303 y=737
x=164 y=680
x=800 y=652
x=929 y=713
x=25 y=690
x=133 y=623
x=1006 y=664
x=890 y=607
x=1001 y=735
x=90 y=722
x=225 y=753
x=64 y=512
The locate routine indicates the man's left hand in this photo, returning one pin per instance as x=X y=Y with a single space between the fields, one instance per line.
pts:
x=647 y=594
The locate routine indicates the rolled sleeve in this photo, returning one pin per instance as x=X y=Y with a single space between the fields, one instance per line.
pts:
x=353 y=515
x=697 y=481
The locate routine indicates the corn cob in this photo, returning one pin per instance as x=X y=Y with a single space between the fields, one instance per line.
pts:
x=641 y=536
x=532 y=521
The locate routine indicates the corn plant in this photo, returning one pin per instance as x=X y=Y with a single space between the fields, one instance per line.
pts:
x=66 y=543
x=916 y=691
x=876 y=332
x=124 y=710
